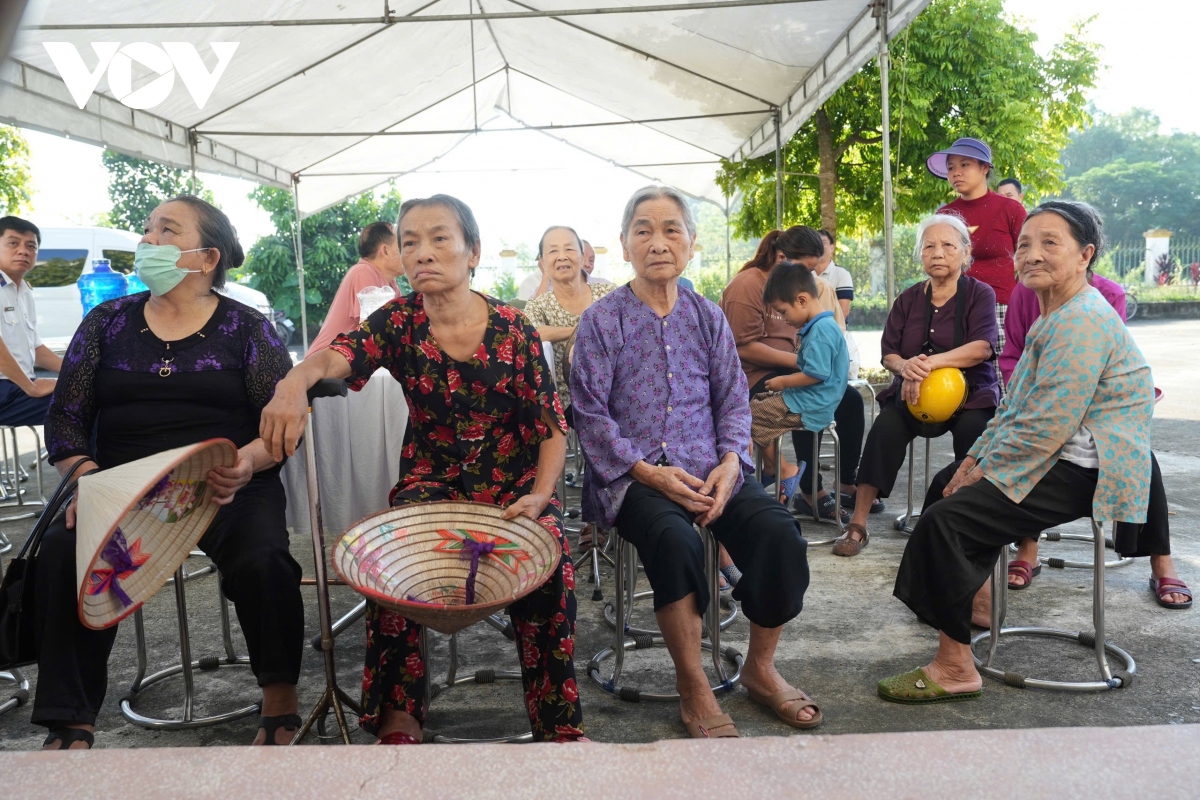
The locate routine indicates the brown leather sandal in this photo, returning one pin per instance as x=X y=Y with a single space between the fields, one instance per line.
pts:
x=846 y=546
x=717 y=726
x=783 y=704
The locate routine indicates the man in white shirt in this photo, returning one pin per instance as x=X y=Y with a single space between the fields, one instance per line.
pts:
x=839 y=278
x=23 y=398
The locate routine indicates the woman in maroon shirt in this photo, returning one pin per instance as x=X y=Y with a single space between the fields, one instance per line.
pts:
x=994 y=220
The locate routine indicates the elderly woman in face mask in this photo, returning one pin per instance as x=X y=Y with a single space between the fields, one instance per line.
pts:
x=146 y=373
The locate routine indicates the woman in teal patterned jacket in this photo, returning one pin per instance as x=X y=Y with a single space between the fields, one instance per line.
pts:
x=1071 y=439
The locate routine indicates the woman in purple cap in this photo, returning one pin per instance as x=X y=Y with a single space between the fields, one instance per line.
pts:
x=993 y=220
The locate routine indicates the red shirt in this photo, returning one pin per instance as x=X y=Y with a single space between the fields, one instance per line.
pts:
x=995 y=222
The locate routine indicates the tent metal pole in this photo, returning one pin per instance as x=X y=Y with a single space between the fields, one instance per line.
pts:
x=393 y=19
x=885 y=105
x=728 y=246
x=298 y=241
x=779 y=168
x=192 y=139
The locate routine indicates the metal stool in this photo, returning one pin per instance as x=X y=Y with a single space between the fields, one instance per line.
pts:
x=1095 y=639
x=594 y=555
x=815 y=464
x=479 y=677
x=1062 y=563
x=905 y=522
x=12 y=474
x=185 y=667
x=626 y=572
x=20 y=694
x=859 y=385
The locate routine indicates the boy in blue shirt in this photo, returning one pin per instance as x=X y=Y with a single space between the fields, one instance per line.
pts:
x=808 y=397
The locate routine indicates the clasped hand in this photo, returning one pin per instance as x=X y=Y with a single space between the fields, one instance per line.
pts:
x=705 y=499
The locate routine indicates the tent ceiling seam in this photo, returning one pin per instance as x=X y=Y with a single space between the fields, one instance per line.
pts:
x=367 y=137
x=300 y=72
x=651 y=56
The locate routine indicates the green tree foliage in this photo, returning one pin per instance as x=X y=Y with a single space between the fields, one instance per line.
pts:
x=1138 y=178
x=330 y=240
x=505 y=287
x=962 y=68
x=15 y=177
x=136 y=186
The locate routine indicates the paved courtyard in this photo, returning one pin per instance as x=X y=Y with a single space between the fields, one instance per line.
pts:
x=852 y=633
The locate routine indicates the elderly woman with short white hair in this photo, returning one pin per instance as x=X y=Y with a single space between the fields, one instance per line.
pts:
x=948 y=320
x=663 y=413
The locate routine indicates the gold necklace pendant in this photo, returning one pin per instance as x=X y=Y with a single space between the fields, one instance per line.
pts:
x=166 y=369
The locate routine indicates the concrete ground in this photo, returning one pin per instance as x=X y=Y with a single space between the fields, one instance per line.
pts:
x=851 y=634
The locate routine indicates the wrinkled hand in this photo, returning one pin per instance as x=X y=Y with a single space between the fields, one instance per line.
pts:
x=42 y=387
x=917 y=368
x=283 y=419
x=680 y=486
x=227 y=480
x=719 y=487
x=531 y=505
x=968 y=472
x=775 y=384
x=910 y=391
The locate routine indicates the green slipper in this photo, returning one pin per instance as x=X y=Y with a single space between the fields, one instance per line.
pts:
x=917 y=688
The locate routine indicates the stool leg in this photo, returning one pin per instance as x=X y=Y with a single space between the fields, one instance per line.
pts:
x=139 y=628
x=185 y=647
x=1098 y=601
x=779 y=468
x=837 y=468
x=622 y=610
x=226 y=633
x=452 y=672
x=712 y=614
x=999 y=601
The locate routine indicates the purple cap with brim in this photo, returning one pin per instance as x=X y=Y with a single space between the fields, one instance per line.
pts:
x=971 y=148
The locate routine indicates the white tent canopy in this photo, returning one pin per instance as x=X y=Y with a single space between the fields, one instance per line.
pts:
x=342 y=95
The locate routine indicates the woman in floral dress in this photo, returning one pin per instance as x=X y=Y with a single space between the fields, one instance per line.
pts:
x=485 y=424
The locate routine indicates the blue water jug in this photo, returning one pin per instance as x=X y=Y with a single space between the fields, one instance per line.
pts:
x=135 y=283
x=100 y=285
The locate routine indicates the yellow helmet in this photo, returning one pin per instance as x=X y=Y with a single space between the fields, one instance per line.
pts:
x=943 y=394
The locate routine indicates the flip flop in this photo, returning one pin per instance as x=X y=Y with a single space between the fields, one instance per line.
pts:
x=1165 y=586
x=718 y=726
x=877 y=505
x=780 y=702
x=732 y=574
x=789 y=487
x=917 y=688
x=1023 y=570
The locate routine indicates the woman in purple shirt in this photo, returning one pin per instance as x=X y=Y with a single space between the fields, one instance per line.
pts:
x=663 y=413
x=946 y=321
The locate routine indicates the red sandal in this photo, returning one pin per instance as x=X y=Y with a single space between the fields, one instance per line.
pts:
x=1023 y=570
x=399 y=738
x=1165 y=586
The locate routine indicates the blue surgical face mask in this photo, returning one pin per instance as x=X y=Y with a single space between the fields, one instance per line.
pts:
x=156 y=266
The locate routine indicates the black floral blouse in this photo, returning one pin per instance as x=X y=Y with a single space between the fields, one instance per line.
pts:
x=473 y=426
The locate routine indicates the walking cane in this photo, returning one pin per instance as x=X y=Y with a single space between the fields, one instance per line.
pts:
x=333 y=696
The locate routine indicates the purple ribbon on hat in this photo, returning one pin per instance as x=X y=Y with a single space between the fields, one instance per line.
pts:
x=116 y=553
x=474 y=550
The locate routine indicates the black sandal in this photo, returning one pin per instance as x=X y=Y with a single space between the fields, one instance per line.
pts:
x=68 y=737
x=289 y=722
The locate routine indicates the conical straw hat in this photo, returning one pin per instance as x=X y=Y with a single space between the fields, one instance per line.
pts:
x=411 y=559
x=146 y=516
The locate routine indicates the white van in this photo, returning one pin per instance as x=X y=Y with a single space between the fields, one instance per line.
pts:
x=66 y=253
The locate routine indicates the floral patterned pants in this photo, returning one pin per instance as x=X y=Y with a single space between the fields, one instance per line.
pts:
x=395 y=675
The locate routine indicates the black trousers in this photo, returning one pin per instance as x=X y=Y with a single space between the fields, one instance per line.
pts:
x=957 y=540
x=887 y=443
x=249 y=545
x=762 y=538
x=1134 y=541
x=850 y=428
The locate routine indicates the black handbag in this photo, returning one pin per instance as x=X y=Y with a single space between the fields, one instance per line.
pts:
x=17 y=642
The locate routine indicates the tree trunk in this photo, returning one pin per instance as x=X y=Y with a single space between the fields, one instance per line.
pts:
x=827 y=172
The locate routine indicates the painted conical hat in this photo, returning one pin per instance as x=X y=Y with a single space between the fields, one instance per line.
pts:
x=417 y=560
x=136 y=523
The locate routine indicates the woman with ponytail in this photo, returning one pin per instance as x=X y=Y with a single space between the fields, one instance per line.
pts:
x=767 y=345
